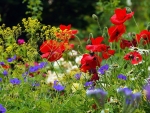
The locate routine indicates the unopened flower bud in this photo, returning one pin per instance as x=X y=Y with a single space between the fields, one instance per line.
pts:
x=94 y=16
x=148 y=27
x=128 y=10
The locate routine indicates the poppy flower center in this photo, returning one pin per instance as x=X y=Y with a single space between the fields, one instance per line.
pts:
x=117 y=33
x=131 y=57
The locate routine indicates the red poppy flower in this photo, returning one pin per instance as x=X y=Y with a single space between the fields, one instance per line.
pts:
x=145 y=35
x=94 y=77
x=63 y=27
x=96 y=45
x=135 y=57
x=52 y=50
x=108 y=53
x=94 y=74
x=89 y=62
x=66 y=32
x=120 y=16
x=115 y=32
x=126 y=43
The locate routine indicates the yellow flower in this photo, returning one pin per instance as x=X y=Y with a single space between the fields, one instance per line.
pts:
x=9 y=48
x=76 y=86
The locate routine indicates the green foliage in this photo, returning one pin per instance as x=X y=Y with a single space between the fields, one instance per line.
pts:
x=35 y=8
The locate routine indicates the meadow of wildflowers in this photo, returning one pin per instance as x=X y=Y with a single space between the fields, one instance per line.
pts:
x=48 y=69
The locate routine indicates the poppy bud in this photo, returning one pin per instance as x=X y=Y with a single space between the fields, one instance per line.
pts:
x=128 y=10
x=88 y=41
x=94 y=16
x=148 y=27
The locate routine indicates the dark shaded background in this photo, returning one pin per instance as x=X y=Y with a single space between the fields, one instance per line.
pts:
x=75 y=12
x=60 y=11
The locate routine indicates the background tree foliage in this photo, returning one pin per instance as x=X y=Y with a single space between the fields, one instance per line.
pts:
x=75 y=12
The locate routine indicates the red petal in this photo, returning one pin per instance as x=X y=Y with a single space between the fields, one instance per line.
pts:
x=115 y=32
x=97 y=41
x=120 y=16
x=74 y=32
x=49 y=45
x=95 y=77
x=111 y=52
x=45 y=55
x=63 y=27
x=120 y=13
x=55 y=56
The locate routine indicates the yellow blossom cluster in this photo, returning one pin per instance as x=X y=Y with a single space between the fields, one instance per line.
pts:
x=10 y=33
x=49 y=32
x=31 y=25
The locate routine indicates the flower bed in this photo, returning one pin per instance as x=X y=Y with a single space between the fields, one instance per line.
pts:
x=43 y=71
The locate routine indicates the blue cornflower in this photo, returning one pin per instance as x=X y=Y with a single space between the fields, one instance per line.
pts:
x=12 y=59
x=147 y=91
x=2 y=63
x=5 y=73
x=0 y=79
x=33 y=69
x=88 y=84
x=57 y=86
x=42 y=64
x=103 y=68
x=121 y=76
x=125 y=91
x=98 y=94
x=2 y=109
x=77 y=76
x=9 y=59
x=15 y=81
x=132 y=99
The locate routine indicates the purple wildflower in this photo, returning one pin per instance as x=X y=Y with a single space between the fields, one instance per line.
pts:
x=98 y=94
x=33 y=69
x=9 y=59
x=15 y=81
x=77 y=76
x=125 y=91
x=88 y=84
x=57 y=86
x=132 y=99
x=147 y=91
x=42 y=64
x=20 y=41
x=103 y=68
x=2 y=63
x=12 y=59
x=5 y=73
x=121 y=76
x=0 y=79
x=2 y=109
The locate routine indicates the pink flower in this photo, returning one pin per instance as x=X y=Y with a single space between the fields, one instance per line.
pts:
x=20 y=41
